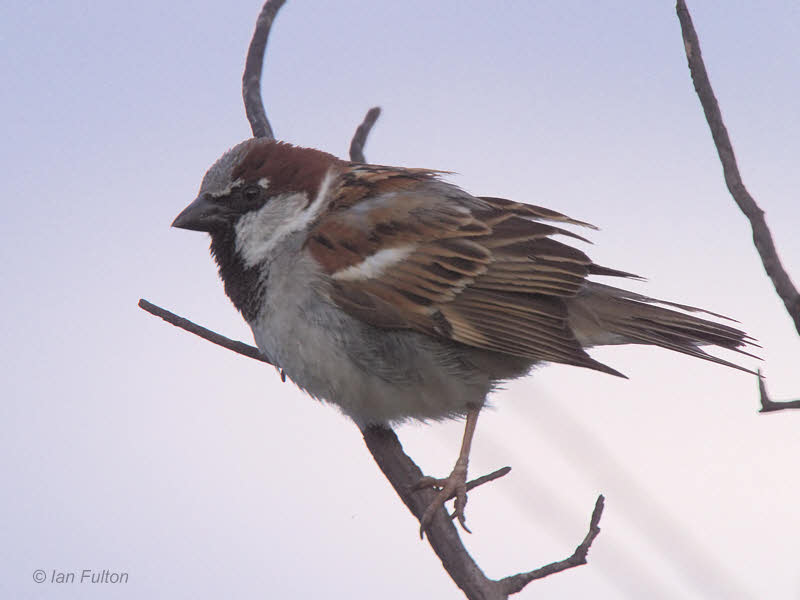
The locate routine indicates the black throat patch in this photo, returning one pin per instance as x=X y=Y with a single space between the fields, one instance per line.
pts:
x=245 y=286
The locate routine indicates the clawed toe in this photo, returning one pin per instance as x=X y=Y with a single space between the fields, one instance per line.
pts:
x=455 y=485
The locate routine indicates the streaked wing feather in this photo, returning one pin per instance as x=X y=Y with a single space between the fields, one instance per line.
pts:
x=482 y=272
x=530 y=211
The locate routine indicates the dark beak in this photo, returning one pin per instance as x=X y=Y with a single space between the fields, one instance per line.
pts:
x=204 y=214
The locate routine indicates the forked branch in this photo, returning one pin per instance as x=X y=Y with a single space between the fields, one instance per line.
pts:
x=403 y=473
x=762 y=237
x=769 y=405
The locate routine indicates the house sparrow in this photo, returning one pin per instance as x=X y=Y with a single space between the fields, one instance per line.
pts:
x=395 y=295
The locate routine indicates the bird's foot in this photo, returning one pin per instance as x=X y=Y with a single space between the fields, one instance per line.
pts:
x=452 y=486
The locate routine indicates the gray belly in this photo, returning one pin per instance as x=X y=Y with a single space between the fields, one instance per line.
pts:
x=374 y=375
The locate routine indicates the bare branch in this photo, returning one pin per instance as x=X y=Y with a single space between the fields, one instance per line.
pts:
x=404 y=474
x=206 y=334
x=501 y=472
x=768 y=405
x=251 y=80
x=443 y=537
x=515 y=583
x=762 y=238
x=360 y=136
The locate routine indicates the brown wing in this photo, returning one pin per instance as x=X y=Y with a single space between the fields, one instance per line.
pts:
x=405 y=250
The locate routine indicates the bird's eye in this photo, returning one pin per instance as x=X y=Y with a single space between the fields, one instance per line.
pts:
x=251 y=193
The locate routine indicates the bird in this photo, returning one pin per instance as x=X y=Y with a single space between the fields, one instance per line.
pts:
x=397 y=296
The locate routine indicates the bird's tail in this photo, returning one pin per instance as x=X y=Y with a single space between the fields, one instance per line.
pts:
x=602 y=315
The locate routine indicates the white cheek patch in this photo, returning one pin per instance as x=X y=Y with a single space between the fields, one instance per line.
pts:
x=375 y=264
x=258 y=233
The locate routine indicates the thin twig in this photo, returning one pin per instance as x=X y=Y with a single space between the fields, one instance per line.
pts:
x=762 y=238
x=251 y=79
x=206 y=334
x=501 y=472
x=769 y=405
x=515 y=583
x=360 y=136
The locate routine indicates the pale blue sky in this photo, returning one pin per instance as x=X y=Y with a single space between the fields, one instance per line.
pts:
x=130 y=446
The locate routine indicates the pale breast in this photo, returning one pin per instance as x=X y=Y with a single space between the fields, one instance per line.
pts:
x=372 y=375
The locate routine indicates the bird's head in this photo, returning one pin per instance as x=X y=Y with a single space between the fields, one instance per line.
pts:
x=257 y=193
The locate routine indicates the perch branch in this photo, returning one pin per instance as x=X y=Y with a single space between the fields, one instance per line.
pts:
x=762 y=238
x=769 y=405
x=251 y=79
x=361 y=134
x=403 y=473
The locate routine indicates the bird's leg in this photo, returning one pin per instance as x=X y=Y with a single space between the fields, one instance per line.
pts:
x=454 y=484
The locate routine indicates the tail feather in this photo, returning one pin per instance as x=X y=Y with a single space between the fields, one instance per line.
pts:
x=602 y=315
